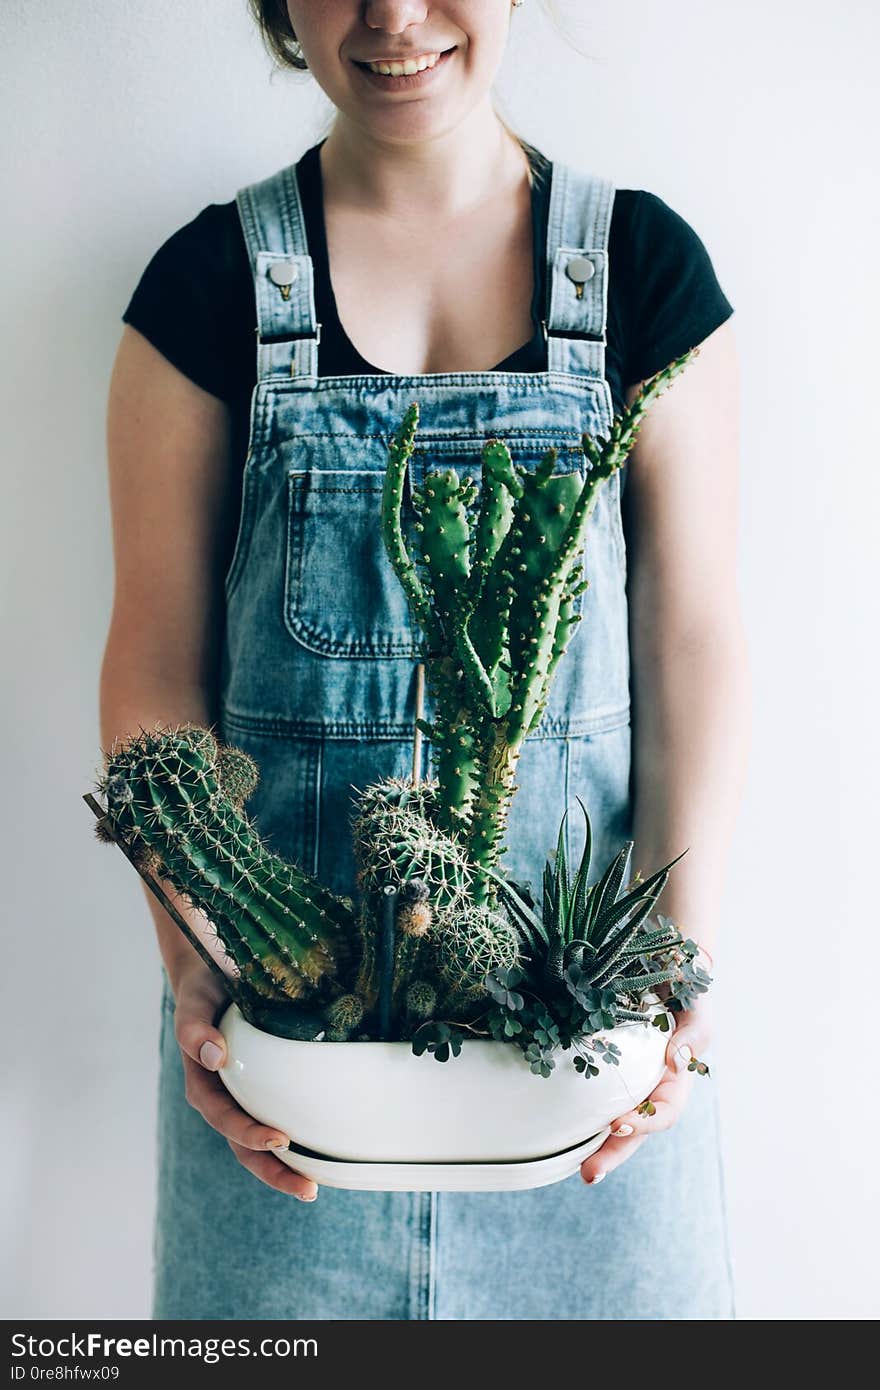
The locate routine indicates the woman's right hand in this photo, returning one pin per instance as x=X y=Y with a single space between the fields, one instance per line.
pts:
x=198 y=995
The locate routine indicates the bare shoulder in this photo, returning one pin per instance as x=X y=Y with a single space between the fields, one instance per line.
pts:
x=681 y=495
x=149 y=393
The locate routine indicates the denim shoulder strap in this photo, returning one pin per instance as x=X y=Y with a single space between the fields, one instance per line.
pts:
x=274 y=232
x=288 y=333
x=578 y=225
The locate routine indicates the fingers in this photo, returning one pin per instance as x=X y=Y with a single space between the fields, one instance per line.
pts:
x=660 y=1111
x=629 y=1131
x=195 y=1008
x=208 y=1095
x=248 y=1139
x=275 y=1174
x=690 y=1037
x=203 y=1050
x=612 y=1153
x=665 y=1104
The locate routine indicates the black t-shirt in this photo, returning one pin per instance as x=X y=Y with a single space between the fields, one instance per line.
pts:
x=195 y=300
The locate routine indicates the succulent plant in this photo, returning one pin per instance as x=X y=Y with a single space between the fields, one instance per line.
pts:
x=590 y=934
x=397 y=838
x=421 y=1001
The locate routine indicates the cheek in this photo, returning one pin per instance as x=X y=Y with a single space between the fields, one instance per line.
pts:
x=482 y=53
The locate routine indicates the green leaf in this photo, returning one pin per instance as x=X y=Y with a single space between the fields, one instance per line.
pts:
x=637 y=984
x=580 y=889
x=562 y=886
x=650 y=943
x=528 y=922
x=613 y=947
x=587 y=1067
x=608 y=887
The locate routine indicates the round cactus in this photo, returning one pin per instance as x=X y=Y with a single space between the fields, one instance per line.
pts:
x=414 y=919
x=421 y=1000
x=237 y=775
x=343 y=1016
x=395 y=841
x=469 y=944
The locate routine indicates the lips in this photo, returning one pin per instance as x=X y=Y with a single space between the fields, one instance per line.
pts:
x=406 y=82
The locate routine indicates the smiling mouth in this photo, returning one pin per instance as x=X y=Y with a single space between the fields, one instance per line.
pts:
x=376 y=65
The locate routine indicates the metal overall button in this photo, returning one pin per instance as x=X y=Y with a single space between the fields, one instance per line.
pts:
x=580 y=269
x=283 y=274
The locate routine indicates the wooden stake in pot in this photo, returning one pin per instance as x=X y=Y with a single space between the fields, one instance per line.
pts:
x=417 y=734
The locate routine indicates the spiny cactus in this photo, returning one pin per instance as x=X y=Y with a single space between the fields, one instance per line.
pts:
x=421 y=1001
x=175 y=796
x=397 y=842
x=396 y=839
x=343 y=1016
x=494 y=596
x=468 y=945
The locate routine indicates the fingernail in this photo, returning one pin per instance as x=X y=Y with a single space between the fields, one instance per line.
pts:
x=306 y=1199
x=210 y=1055
x=622 y=1131
x=683 y=1055
x=591 y=1182
x=277 y=1143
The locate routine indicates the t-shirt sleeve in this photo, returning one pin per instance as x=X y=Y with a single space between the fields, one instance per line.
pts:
x=191 y=303
x=676 y=300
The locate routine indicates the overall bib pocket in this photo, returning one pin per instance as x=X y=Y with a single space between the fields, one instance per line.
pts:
x=341 y=595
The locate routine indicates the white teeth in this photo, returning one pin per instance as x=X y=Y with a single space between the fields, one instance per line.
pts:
x=412 y=65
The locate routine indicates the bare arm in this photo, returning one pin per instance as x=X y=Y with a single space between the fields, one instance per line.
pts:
x=690 y=681
x=172 y=485
x=689 y=661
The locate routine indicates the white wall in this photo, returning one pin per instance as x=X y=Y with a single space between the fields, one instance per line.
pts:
x=120 y=123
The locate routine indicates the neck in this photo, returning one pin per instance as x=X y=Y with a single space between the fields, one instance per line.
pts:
x=451 y=174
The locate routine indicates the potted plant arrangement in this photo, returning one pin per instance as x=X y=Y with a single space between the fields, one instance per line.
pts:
x=442 y=955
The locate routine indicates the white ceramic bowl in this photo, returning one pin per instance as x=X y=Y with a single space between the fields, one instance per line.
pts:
x=376 y=1102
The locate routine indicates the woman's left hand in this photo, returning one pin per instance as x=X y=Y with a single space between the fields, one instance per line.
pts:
x=689 y=1039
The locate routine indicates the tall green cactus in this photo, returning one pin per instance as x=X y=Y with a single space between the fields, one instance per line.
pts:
x=177 y=797
x=494 y=597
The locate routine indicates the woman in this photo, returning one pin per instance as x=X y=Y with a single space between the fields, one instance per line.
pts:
x=259 y=601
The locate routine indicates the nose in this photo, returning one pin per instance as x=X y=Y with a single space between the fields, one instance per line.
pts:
x=394 y=16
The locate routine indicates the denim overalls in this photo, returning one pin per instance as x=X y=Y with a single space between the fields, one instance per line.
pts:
x=318 y=685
